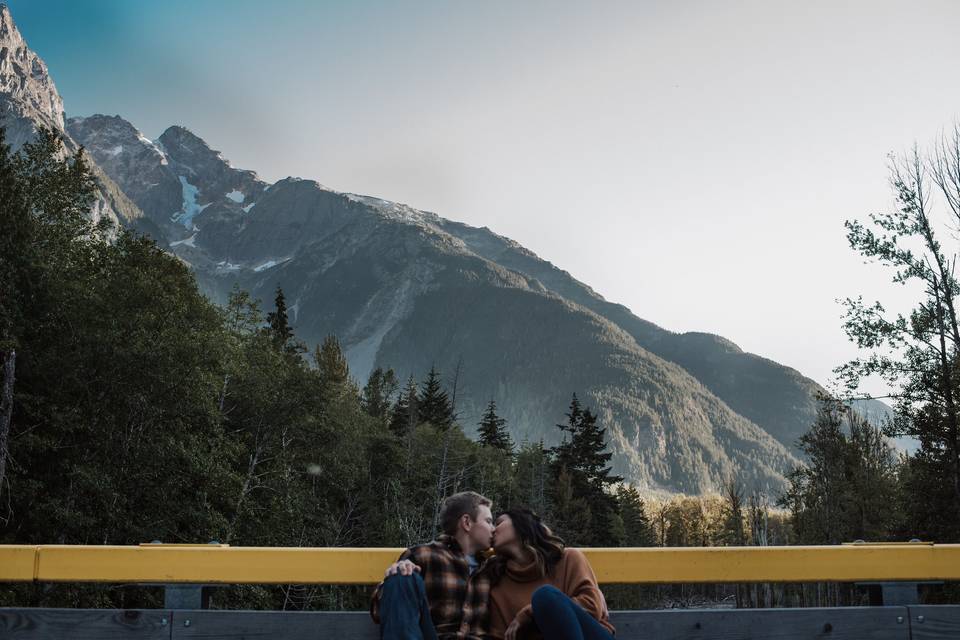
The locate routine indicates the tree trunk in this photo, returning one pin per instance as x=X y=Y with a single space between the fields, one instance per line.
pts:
x=9 y=365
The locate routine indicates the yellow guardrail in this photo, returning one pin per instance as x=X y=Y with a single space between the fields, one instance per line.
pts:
x=212 y=564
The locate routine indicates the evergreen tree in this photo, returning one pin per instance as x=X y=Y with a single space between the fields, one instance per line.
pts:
x=583 y=456
x=378 y=393
x=406 y=411
x=493 y=432
x=565 y=455
x=574 y=515
x=637 y=530
x=583 y=450
x=435 y=406
x=848 y=488
x=280 y=328
x=533 y=478
x=331 y=363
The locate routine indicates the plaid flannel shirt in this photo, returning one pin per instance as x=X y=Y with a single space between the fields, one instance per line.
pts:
x=459 y=602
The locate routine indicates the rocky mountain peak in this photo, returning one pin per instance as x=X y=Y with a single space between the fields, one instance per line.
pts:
x=112 y=137
x=188 y=149
x=26 y=88
x=9 y=34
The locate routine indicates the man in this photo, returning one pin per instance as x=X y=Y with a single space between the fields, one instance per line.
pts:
x=438 y=590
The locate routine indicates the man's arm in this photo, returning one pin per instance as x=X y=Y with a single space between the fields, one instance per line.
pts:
x=405 y=565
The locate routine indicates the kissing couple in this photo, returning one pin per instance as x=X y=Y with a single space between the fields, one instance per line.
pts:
x=532 y=586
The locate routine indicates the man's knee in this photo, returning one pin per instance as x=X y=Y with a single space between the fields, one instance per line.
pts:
x=397 y=583
x=545 y=596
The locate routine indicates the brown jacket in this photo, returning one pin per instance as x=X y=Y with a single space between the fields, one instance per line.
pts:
x=511 y=596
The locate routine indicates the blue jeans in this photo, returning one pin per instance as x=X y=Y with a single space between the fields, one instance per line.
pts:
x=560 y=618
x=404 y=610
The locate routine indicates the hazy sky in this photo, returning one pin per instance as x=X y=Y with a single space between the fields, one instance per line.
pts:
x=694 y=161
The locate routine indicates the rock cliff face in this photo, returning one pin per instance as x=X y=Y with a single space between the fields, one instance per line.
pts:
x=29 y=100
x=28 y=97
x=409 y=289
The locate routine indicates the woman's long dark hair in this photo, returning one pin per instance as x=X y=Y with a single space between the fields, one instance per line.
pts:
x=534 y=536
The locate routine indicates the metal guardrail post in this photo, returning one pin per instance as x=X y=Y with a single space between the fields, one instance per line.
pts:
x=893 y=593
x=186 y=596
x=886 y=594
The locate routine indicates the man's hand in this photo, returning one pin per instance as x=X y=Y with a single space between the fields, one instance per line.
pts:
x=511 y=632
x=403 y=567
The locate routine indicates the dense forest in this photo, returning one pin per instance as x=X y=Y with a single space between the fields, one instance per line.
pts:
x=133 y=409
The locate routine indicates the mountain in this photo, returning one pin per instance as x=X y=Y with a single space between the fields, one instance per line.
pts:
x=408 y=289
x=29 y=100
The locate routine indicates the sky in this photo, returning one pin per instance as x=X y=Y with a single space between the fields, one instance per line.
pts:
x=694 y=161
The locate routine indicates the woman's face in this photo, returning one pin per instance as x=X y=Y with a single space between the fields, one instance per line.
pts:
x=503 y=534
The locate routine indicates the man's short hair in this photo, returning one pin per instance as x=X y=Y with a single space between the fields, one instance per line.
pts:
x=455 y=506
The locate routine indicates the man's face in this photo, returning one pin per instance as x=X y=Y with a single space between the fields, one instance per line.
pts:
x=481 y=529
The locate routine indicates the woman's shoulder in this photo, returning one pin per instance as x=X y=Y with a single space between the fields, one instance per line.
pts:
x=571 y=554
x=575 y=562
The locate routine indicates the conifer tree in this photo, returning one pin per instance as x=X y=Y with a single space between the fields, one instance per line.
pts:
x=565 y=453
x=379 y=390
x=637 y=530
x=847 y=488
x=406 y=411
x=280 y=328
x=583 y=451
x=435 y=406
x=334 y=372
x=493 y=432
x=331 y=362
x=583 y=457
x=532 y=472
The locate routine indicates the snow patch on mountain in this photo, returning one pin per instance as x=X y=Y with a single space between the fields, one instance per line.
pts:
x=236 y=196
x=391 y=209
x=190 y=208
x=266 y=265
x=188 y=242
x=154 y=146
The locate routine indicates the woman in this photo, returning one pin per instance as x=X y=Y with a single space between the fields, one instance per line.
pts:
x=540 y=587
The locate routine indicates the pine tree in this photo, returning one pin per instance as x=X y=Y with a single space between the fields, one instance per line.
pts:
x=493 y=432
x=638 y=532
x=532 y=472
x=583 y=456
x=334 y=372
x=435 y=406
x=406 y=412
x=566 y=454
x=280 y=327
x=331 y=362
x=379 y=390
x=583 y=450
x=847 y=489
